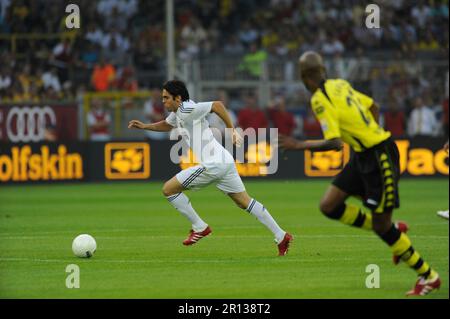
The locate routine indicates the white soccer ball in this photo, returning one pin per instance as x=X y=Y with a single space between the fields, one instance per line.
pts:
x=84 y=246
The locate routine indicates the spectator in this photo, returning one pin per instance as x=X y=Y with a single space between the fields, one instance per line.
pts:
x=251 y=116
x=6 y=96
x=154 y=112
x=62 y=57
x=103 y=76
x=381 y=83
x=427 y=42
x=24 y=76
x=248 y=34
x=149 y=47
x=106 y=7
x=129 y=8
x=422 y=120
x=4 y=5
x=394 y=119
x=5 y=79
x=193 y=33
x=188 y=51
x=253 y=61
x=233 y=46
x=51 y=95
x=309 y=43
x=114 y=54
x=3 y=24
x=116 y=20
x=358 y=66
x=51 y=79
x=67 y=91
x=94 y=34
x=122 y=42
x=126 y=8
x=421 y=14
x=98 y=121
x=90 y=55
x=332 y=46
x=18 y=14
x=281 y=119
x=126 y=80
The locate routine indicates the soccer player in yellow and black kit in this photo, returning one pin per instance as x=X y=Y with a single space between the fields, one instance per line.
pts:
x=373 y=172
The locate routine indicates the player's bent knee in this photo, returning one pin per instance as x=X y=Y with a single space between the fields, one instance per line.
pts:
x=326 y=207
x=166 y=190
x=332 y=210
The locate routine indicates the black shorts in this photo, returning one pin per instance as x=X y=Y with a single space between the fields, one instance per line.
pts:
x=373 y=175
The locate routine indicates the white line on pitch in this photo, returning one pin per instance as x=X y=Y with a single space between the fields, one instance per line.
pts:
x=185 y=261
x=223 y=237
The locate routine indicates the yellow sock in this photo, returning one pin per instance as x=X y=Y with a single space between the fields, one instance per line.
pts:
x=354 y=216
x=403 y=248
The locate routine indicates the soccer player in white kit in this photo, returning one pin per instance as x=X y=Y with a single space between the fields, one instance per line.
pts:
x=216 y=163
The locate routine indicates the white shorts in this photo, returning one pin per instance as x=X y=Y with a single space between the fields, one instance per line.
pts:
x=225 y=177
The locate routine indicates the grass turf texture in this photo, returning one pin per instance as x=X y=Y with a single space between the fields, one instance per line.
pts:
x=140 y=254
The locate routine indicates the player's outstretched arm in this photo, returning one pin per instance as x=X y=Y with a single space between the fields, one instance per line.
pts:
x=161 y=126
x=290 y=143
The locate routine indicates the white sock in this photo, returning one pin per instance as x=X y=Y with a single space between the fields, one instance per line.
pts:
x=259 y=211
x=182 y=203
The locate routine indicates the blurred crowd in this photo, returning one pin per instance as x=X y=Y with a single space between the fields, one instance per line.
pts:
x=421 y=119
x=423 y=116
x=121 y=45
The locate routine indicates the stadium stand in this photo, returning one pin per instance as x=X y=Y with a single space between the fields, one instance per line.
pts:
x=41 y=60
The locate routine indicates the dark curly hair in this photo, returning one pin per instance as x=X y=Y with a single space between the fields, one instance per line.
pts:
x=175 y=88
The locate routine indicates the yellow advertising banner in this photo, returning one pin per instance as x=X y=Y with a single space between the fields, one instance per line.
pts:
x=414 y=161
x=127 y=161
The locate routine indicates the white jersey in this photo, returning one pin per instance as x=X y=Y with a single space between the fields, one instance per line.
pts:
x=191 y=119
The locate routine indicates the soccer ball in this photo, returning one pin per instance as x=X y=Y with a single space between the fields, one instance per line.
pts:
x=84 y=246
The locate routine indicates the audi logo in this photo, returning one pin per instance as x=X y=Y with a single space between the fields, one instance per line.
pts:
x=30 y=123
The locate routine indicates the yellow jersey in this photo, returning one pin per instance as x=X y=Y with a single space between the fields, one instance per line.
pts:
x=345 y=113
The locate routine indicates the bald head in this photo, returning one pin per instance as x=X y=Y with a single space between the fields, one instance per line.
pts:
x=312 y=69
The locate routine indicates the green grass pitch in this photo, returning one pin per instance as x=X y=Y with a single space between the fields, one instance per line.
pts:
x=140 y=254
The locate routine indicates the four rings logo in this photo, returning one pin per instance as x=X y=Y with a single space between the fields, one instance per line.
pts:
x=27 y=124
